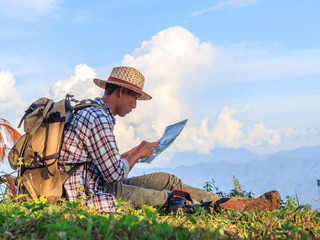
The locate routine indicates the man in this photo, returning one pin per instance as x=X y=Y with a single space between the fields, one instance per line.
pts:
x=89 y=139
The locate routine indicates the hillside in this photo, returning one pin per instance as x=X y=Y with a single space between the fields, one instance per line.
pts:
x=289 y=172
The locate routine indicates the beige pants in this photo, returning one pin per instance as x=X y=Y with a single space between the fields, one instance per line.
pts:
x=153 y=189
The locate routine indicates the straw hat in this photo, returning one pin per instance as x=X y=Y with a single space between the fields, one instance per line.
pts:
x=127 y=77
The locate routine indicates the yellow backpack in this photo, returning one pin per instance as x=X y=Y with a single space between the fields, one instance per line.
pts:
x=36 y=152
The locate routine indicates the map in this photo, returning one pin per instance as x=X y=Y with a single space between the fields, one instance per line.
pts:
x=170 y=134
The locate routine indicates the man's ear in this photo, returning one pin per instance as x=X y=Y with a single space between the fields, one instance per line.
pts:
x=121 y=91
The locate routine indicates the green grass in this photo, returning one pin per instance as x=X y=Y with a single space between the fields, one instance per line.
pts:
x=66 y=220
x=40 y=220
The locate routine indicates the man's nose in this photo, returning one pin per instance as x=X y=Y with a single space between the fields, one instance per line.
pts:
x=134 y=104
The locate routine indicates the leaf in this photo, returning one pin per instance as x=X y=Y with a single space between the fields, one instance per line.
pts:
x=12 y=135
x=42 y=199
x=73 y=204
x=192 y=220
x=129 y=220
x=84 y=213
x=53 y=226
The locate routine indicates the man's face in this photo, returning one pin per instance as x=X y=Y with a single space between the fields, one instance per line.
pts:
x=127 y=102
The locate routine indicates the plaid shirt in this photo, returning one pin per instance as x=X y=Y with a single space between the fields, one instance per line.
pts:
x=89 y=139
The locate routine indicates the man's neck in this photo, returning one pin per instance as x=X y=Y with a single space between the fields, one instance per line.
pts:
x=110 y=101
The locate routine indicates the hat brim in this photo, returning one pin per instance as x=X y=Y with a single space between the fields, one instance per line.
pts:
x=102 y=83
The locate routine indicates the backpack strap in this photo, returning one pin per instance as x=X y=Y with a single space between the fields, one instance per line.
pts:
x=74 y=168
x=54 y=117
x=30 y=109
x=87 y=104
x=46 y=158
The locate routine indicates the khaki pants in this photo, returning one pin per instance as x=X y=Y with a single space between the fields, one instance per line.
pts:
x=153 y=189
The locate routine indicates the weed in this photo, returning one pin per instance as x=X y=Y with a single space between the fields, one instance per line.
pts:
x=236 y=191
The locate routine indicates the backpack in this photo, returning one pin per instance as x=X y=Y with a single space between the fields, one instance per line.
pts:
x=36 y=152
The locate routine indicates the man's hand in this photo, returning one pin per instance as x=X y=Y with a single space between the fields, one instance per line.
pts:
x=144 y=149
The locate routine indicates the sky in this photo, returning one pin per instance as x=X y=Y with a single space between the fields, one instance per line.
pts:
x=245 y=73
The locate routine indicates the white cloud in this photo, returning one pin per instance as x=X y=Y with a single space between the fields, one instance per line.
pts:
x=7 y=89
x=228 y=132
x=79 y=84
x=225 y=4
x=26 y=9
x=10 y=97
x=224 y=132
x=164 y=60
x=260 y=135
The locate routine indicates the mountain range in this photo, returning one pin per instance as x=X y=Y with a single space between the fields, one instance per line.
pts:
x=292 y=173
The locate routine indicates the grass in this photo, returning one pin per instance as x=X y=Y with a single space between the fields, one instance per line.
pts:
x=40 y=220
x=66 y=220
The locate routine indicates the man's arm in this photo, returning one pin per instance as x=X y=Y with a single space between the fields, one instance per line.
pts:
x=126 y=154
x=145 y=149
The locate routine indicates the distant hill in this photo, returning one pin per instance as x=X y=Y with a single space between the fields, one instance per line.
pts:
x=215 y=156
x=286 y=171
x=302 y=152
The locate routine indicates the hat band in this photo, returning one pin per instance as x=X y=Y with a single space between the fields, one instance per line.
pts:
x=117 y=80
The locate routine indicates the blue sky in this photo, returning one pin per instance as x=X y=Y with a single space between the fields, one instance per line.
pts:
x=244 y=72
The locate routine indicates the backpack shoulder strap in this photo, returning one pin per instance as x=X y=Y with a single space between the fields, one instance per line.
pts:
x=87 y=104
x=74 y=168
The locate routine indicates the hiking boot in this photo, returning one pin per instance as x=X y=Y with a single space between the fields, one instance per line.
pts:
x=266 y=202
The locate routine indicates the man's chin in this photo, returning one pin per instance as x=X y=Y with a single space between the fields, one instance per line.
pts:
x=124 y=114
